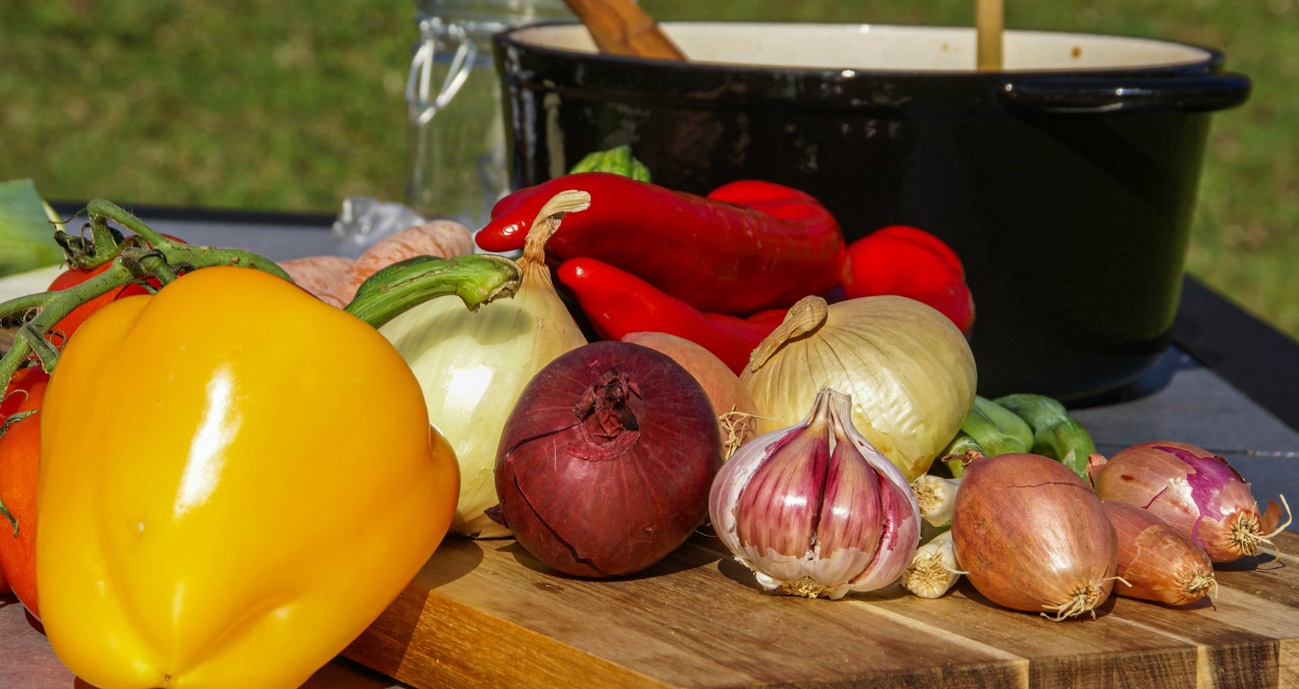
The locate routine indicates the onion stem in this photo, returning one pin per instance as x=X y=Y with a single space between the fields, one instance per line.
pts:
x=475 y=278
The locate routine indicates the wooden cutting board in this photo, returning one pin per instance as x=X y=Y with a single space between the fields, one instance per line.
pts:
x=486 y=614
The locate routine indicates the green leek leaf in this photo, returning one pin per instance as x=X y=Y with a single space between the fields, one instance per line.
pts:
x=26 y=229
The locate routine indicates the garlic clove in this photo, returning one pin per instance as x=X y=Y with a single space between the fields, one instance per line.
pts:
x=778 y=510
x=852 y=522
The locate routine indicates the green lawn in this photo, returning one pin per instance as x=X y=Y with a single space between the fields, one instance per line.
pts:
x=294 y=104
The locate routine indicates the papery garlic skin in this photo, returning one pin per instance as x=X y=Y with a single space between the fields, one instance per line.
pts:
x=814 y=509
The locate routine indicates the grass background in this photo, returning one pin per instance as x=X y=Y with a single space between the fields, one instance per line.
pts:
x=295 y=104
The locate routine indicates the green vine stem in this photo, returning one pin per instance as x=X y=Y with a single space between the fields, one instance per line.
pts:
x=150 y=254
x=475 y=278
x=4 y=512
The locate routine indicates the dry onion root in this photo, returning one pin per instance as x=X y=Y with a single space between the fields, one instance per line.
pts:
x=1156 y=561
x=1032 y=536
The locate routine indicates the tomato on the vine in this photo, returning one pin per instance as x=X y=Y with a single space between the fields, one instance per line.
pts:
x=75 y=276
x=19 y=461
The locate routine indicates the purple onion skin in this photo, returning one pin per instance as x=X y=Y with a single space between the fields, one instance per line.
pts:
x=606 y=460
x=1192 y=490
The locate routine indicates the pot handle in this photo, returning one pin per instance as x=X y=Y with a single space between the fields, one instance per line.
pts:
x=1204 y=92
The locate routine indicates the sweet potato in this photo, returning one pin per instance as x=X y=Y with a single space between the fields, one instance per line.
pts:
x=440 y=238
x=318 y=275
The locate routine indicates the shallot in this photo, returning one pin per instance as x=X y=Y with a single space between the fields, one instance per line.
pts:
x=734 y=407
x=1032 y=536
x=1193 y=490
x=1156 y=561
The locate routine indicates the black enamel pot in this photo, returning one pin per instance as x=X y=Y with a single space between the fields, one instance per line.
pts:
x=1066 y=181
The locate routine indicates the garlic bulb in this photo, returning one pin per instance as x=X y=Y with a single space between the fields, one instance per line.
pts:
x=933 y=569
x=473 y=365
x=909 y=371
x=937 y=498
x=814 y=509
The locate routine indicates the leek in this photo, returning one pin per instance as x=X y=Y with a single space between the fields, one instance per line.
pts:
x=26 y=229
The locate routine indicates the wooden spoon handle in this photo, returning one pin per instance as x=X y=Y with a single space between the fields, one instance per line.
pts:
x=621 y=27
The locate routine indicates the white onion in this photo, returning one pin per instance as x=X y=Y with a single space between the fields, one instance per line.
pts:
x=908 y=369
x=473 y=365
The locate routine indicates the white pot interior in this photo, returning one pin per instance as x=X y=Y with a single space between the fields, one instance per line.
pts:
x=867 y=47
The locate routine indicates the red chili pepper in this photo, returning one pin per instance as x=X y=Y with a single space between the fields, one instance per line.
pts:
x=617 y=303
x=747 y=247
x=910 y=262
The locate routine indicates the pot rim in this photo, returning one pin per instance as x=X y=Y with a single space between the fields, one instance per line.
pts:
x=1205 y=58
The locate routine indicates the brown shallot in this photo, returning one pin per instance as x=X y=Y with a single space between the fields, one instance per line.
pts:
x=734 y=407
x=1156 y=561
x=1031 y=535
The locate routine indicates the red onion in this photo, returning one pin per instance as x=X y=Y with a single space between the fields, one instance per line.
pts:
x=1031 y=535
x=1156 y=561
x=1193 y=490
x=605 y=462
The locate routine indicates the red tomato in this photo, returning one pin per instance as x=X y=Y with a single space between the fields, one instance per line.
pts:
x=910 y=262
x=75 y=276
x=19 y=461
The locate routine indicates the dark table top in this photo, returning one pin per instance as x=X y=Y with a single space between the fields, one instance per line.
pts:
x=1228 y=385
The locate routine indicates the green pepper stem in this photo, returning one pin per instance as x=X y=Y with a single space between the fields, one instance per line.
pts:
x=960 y=452
x=999 y=430
x=476 y=278
x=618 y=161
x=1055 y=434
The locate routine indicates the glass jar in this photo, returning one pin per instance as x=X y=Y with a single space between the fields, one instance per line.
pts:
x=456 y=164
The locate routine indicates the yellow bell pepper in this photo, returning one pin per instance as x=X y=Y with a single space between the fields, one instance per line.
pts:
x=235 y=480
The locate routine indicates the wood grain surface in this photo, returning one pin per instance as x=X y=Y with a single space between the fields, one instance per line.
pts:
x=486 y=614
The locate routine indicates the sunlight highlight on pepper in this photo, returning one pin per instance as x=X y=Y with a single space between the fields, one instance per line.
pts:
x=207 y=450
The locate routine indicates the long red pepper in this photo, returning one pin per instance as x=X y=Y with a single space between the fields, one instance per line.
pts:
x=617 y=303
x=746 y=247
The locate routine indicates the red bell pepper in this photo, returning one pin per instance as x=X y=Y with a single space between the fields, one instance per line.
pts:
x=910 y=262
x=617 y=303
x=748 y=246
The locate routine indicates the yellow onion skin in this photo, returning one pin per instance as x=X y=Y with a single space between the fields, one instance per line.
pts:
x=815 y=510
x=1156 y=561
x=1032 y=536
x=908 y=369
x=1191 y=489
